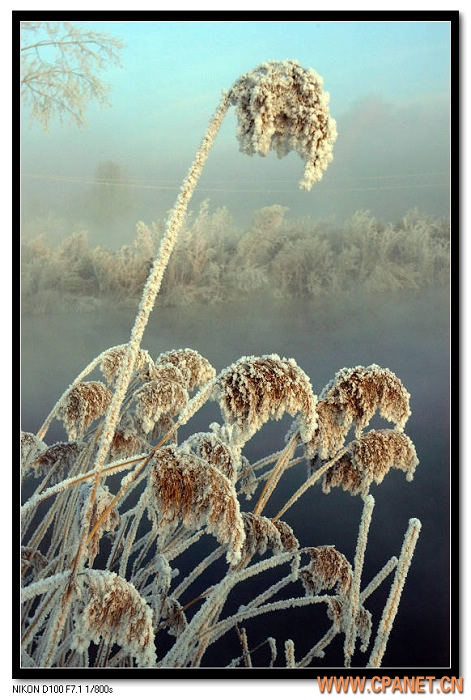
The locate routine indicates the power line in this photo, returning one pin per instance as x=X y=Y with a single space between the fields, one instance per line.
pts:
x=168 y=185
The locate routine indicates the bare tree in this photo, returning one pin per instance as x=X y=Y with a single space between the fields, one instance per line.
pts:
x=60 y=65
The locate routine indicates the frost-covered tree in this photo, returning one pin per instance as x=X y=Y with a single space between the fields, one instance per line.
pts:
x=60 y=69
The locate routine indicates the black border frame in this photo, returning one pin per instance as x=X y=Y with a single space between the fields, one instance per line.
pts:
x=130 y=674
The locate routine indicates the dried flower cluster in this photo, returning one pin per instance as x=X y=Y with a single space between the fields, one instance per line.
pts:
x=328 y=568
x=114 y=611
x=369 y=459
x=337 y=611
x=257 y=389
x=262 y=533
x=83 y=403
x=185 y=487
x=164 y=395
x=30 y=446
x=112 y=361
x=352 y=397
x=195 y=368
x=58 y=460
x=211 y=448
x=282 y=106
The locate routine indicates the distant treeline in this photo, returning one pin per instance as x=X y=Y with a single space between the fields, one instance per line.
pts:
x=214 y=261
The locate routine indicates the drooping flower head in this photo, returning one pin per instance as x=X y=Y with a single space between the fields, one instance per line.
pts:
x=186 y=487
x=369 y=459
x=282 y=106
x=352 y=397
x=256 y=389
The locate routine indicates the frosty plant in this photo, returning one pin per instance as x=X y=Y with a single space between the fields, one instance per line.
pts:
x=133 y=607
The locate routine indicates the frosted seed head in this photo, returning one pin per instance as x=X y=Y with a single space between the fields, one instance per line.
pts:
x=164 y=395
x=112 y=360
x=215 y=451
x=30 y=446
x=262 y=533
x=81 y=405
x=352 y=398
x=327 y=568
x=195 y=369
x=369 y=459
x=173 y=617
x=112 y=609
x=57 y=460
x=126 y=441
x=281 y=106
x=256 y=389
x=185 y=487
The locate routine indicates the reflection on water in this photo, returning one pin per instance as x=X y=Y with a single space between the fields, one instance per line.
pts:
x=410 y=335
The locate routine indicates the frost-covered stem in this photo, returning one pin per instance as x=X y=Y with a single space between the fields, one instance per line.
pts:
x=39 y=617
x=307 y=484
x=180 y=546
x=354 y=601
x=276 y=474
x=178 y=654
x=317 y=649
x=222 y=627
x=141 y=505
x=289 y=654
x=245 y=647
x=183 y=585
x=113 y=468
x=378 y=579
x=275 y=588
x=126 y=482
x=392 y=604
x=117 y=540
x=146 y=305
x=267 y=474
x=154 y=281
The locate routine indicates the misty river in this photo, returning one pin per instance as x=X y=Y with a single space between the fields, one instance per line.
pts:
x=407 y=333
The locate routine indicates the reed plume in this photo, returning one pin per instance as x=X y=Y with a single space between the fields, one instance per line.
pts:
x=195 y=368
x=327 y=568
x=83 y=403
x=30 y=446
x=111 y=609
x=173 y=617
x=58 y=460
x=282 y=106
x=256 y=389
x=211 y=448
x=262 y=534
x=352 y=397
x=185 y=487
x=112 y=360
x=369 y=459
x=164 y=395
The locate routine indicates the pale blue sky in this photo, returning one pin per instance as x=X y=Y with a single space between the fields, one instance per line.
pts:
x=168 y=65
x=389 y=88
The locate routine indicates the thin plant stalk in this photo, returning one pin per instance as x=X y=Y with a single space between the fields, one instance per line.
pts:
x=392 y=604
x=309 y=482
